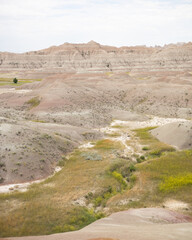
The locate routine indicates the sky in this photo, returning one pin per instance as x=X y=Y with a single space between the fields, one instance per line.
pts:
x=27 y=25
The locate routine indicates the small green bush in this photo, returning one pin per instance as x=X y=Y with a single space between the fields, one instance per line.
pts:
x=132 y=168
x=100 y=198
x=15 y=80
x=98 y=201
x=141 y=159
x=145 y=148
x=119 y=178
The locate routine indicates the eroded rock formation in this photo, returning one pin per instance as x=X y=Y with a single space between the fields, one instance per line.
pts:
x=95 y=57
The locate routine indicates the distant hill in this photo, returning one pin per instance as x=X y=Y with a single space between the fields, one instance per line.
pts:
x=95 y=57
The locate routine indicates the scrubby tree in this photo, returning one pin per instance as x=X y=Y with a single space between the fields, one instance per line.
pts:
x=15 y=80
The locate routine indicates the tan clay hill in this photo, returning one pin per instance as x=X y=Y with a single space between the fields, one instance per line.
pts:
x=95 y=57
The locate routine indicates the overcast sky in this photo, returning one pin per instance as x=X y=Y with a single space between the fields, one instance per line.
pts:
x=35 y=24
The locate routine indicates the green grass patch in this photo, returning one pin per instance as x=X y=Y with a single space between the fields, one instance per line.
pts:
x=144 y=135
x=34 y=102
x=154 y=147
x=107 y=144
x=171 y=164
x=169 y=176
x=9 y=81
x=118 y=126
x=115 y=134
x=39 y=121
x=44 y=218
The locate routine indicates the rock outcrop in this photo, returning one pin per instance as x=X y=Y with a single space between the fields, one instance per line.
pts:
x=95 y=57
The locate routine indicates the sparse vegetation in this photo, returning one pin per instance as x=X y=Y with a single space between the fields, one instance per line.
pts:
x=34 y=102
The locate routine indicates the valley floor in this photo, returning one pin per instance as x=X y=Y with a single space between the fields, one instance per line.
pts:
x=122 y=171
x=130 y=179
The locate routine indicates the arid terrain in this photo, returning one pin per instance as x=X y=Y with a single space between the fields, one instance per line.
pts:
x=109 y=129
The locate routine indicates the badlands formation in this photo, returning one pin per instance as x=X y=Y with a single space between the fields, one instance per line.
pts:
x=77 y=94
x=95 y=57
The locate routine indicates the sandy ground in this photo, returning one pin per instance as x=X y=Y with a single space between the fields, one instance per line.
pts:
x=134 y=224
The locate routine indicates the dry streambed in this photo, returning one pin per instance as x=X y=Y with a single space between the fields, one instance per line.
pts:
x=119 y=131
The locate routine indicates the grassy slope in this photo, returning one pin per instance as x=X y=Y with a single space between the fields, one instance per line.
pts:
x=47 y=207
x=166 y=174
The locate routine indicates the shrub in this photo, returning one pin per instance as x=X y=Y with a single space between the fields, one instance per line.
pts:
x=15 y=80
x=145 y=148
x=139 y=160
x=132 y=168
x=100 y=198
x=119 y=178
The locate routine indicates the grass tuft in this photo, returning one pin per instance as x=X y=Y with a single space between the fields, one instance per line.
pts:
x=34 y=102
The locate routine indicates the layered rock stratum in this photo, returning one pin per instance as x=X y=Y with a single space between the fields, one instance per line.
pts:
x=94 y=57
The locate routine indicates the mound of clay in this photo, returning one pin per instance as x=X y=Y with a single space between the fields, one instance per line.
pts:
x=178 y=134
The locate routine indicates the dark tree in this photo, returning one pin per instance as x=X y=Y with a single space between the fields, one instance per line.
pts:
x=15 y=80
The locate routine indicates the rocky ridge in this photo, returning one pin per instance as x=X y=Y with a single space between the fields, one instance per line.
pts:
x=94 y=57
